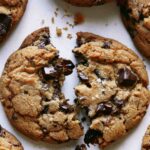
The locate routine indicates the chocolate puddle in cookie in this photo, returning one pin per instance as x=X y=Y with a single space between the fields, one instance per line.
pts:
x=35 y=104
x=112 y=89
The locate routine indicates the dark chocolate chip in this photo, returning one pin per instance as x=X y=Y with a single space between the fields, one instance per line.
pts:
x=49 y=73
x=66 y=108
x=83 y=119
x=118 y=103
x=45 y=109
x=106 y=45
x=81 y=147
x=45 y=41
x=14 y=116
x=5 y=23
x=81 y=59
x=64 y=66
x=126 y=77
x=83 y=77
x=45 y=131
x=92 y=136
x=104 y=108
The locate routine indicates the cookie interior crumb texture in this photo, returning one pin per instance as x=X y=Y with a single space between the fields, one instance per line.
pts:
x=113 y=88
x=11 y=12
x=8 y=141
x=30 y=88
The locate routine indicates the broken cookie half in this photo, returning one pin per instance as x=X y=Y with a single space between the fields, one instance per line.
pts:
x=30 y=88
x=146 y=140
x=113 y=88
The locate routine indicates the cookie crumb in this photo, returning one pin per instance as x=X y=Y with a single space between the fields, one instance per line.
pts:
x=53 y=20
x=59 y=31
x=69 y=36
x=78 y=18
x=65 y=28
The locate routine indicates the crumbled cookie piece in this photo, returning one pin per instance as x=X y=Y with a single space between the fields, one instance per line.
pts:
x=8 y=141
x=30 y=88
x=78 y=18
x=112 y=89
x=146 y=140
x=59 y=31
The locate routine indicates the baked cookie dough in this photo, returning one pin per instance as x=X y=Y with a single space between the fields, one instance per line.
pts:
x=136 y=17
x=87 y=2
x=11 y=12
x=146 y=140
x=113 y=88
x=8 y=141
x=30 y=88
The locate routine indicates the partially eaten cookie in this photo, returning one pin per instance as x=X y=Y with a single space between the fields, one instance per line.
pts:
x=30 y=88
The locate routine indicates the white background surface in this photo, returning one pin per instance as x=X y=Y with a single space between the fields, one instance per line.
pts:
x=102 y=20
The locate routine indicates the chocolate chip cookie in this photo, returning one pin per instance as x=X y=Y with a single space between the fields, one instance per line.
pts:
x=113 y=88
x=87 y=2
x=146 y=140
x=30 y=88
x=136 y=17
x=8 y=141
x=11 y=12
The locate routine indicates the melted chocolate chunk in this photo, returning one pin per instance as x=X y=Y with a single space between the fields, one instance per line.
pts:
x=104 y=108
x=126 y=77
x=81 y=59
x=81 y=147
x=45 y=41
x=49 y=73
x=91 y=136
x=45 y=110
x=64 y=66
x=5 y=23
x=118 y=103
x=83 y=77
x=106 y=45
x=66 y=108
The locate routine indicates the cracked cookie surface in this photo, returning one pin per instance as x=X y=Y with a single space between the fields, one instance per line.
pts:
x=30 y=89
x=113 y=88
x=146 y=140
x=136 y=17
x=11 y=12
x=8 y=141
x=87 y=2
